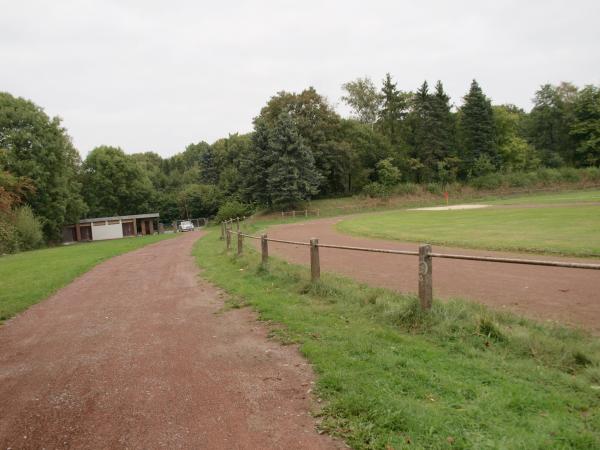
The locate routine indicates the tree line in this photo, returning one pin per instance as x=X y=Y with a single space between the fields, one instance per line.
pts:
x=300 y=149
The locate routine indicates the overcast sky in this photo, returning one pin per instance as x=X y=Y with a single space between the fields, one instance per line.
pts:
x=157 y=75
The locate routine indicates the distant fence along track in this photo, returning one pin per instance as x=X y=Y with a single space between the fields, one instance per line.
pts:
x=424 y=254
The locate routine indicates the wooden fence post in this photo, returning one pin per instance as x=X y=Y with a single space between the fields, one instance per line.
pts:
x=240 y=247
x=315 y=264
x=282 y=215
x=222 y=230
x=264 y=247
x=306 y=213
x=228 y=233
x=293 y=213
x=425 y=276
x=238 y=223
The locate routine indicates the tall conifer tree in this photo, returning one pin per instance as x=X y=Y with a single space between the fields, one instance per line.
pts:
x=477 y=131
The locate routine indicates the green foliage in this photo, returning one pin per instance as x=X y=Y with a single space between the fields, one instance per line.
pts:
x=387 y=173
x=394 y=108
x=375 y=190
x=37 y=147
x=362 y=96
x=477 y=130
x=198 y=200
x=114 y=184
x=29 y=229
x=319 y=126
x=232 y=209
x=586 y=127
x=550 y=121
x=9 y=239
x=281 y=173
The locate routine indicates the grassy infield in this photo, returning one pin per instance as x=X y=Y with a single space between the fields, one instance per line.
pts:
x=390 y=376
x=562 y=230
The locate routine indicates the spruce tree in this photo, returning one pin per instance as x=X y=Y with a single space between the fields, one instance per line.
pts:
x=442 y=130
x=477 y=130
x=292 y=176
x=254 y=165
x=393 y=110
x=422 y=127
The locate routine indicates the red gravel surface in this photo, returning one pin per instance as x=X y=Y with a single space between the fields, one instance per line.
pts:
x=135 y=354
x=570 y=296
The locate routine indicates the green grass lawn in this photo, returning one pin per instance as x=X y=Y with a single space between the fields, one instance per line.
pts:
x=583 y=196
x=565 y=230
x=392 y=377
x=29 y=277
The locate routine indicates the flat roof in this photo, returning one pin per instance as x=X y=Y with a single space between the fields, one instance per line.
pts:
x=132 y=216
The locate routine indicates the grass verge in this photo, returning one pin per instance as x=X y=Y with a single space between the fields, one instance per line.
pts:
x=461 y=376
x=29 y=277
x=569 y=230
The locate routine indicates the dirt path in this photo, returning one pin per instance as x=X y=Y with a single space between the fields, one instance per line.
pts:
x=132 y=355
x=570 y=296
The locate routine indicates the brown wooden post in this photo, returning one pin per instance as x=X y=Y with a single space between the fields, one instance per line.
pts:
x=264 y=247
x=293 y=213
x=425 y=276
x=315 y=265
x=78 y=231
x=151 y=223
x=143 y=227
x=240 y=248
x=228 y=234
x=282 y=215
x=237 y=219
x=306 y=213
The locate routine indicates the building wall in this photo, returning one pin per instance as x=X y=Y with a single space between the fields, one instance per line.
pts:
x=113 y=231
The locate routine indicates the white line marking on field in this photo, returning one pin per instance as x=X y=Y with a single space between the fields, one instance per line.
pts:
x=449 y=208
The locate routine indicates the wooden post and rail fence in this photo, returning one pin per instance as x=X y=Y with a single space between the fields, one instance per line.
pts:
x=425 y=257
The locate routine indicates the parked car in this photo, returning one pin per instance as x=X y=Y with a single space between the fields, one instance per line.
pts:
x=186 y=225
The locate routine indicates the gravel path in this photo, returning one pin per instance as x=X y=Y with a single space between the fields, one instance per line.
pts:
x=135 y=355
x=570 y=296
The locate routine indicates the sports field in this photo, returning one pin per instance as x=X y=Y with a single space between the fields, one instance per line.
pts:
x=566 y=224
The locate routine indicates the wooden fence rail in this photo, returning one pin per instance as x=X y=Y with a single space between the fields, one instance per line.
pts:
x=303 y=212
x=425 y=266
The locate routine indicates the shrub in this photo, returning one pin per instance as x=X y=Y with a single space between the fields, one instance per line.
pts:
x=375 y=190
x=569 y=174
x=28 y=228
x=232 y=209
x=490 y=181
x=406 y=188
x=434 y=188
x=9 y=240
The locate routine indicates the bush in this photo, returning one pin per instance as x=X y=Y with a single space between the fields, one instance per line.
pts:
x=406 y=188
x=490 y=181
x=570 y=174
x=29 y=229
x=233 y=209
x=375 y=190
x=434 y=188
x=9 y=240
